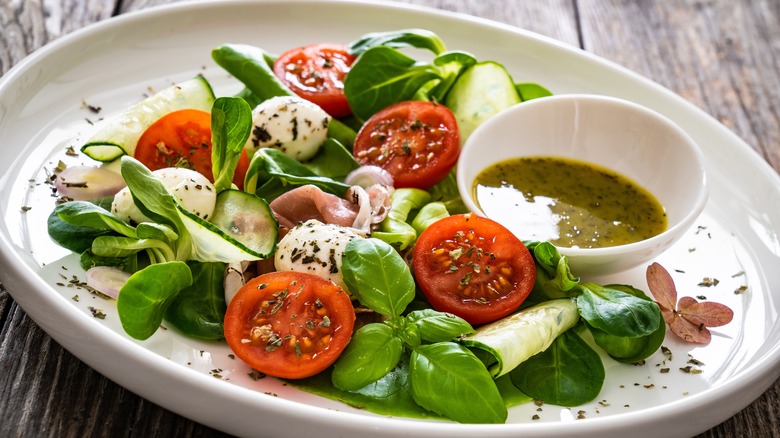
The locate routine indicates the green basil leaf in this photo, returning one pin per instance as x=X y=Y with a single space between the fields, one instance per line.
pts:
x=372 y=353
x=530 y=91
x=616 y=312
x=333 y=161
x=429 y=214
x=150 y=194
x=117 y=246
x=377 y=276
x=630 y=349
x=87 y=214
x=395 y=229
x=231 y=124
x=382 y=76
x=272 y=173
x=436 y=326
x=199 y=310
x=569 y=373
x=145 y=297
x=152 y=230
x=419 y=38
x=73 y=237
x=553 y=276
x=472 y=395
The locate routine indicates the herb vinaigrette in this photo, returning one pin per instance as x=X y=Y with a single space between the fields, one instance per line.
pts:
x=569 y=203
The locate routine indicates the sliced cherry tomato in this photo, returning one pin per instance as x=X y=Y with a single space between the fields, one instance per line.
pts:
x=473 y=267
x=417 y=142
x=289 y=324
x=316 y=73
x=183 y=139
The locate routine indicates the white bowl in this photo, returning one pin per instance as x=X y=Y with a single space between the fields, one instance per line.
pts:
x=617 y=134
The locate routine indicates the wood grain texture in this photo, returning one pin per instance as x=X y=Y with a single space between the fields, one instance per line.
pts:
x=722 y=55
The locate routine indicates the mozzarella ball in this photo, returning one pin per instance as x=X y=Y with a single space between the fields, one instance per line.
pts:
x=293 y=125
x=315 y=248
x=194 y=192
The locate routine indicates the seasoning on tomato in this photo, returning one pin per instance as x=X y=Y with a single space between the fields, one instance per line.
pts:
x=316 y=73
x=473 y=267
x=289 y=324
x=183 y=139
x=417 y=142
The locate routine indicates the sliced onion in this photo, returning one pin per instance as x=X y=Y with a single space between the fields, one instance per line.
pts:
x=234 y=279
x=365 y=176
x=358 y=195
x=107 y=280
x=84 y=183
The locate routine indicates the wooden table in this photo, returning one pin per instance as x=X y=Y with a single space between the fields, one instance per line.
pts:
x=721 y=55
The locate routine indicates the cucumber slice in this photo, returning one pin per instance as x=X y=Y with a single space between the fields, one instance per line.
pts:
x=514 y=339
x=242 y=227
x=119 y=135
x=482 y=91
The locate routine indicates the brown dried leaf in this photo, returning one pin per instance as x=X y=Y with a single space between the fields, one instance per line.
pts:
x=687 y=318
x=708 y=314
x=689 y=331
x=661 y=286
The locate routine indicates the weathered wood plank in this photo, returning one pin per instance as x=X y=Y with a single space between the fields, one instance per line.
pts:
x=721 y=55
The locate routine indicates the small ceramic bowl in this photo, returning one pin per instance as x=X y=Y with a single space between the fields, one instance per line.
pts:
x=622 y=136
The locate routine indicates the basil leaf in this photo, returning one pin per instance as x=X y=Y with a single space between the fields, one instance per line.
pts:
x=429 y=214
x=394 y=229
x=333 y=161
x=382 y=76
x=199 y=310
x=372 y=353
x=569 y=373
x=72 y=237
x=436 y=326
x=616 y=312
x=419 y=38
x=530 y=91
x=272 y=173
x=231 y=123
x=151 y=230
x=145 y=297
x=472 y=395
x=377 y=276
x=630 y=349
x=117 y=246
x=553 y=276
x=87 y=214
x=150 y=194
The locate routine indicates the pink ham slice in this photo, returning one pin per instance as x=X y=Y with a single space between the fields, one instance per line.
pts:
x=309 y=202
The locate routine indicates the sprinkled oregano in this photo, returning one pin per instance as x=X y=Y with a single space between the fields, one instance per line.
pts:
x=687 y=318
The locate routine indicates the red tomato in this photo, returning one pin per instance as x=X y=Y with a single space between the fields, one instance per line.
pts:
x=289 y=324
x=417 y=142
x=473 y=267
x=316 y=73
x=183 y=139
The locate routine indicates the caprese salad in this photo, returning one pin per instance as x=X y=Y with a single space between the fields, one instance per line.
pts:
x=313 y=223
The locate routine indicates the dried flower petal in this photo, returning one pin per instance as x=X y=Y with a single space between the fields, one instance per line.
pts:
x=661 y=286
x=687 y=318
x=707 y=313
x=690 y=332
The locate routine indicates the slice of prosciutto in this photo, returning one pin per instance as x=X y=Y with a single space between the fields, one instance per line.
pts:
x=310 y=202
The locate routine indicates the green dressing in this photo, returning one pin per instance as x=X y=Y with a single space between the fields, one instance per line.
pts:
x=569 y=203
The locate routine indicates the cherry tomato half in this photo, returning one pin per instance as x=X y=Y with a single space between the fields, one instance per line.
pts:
x=316 y=73
x=417 y=142
x=183 y=139
x=289 y=324
x=473 y=267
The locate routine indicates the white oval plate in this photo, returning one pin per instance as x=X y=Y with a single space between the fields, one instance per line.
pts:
x=114 y=63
